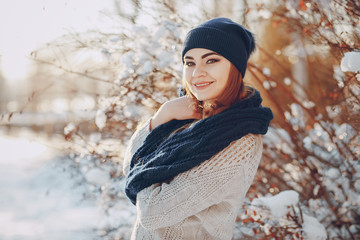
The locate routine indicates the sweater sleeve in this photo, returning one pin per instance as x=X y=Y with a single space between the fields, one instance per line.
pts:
x=136 y=141
x=211 y=182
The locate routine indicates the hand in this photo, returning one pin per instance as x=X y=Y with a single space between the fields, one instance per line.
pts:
x=181 y=108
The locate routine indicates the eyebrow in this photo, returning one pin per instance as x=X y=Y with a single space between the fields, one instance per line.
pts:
x=203 y=56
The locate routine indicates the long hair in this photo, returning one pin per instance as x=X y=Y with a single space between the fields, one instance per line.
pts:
x=234 y=92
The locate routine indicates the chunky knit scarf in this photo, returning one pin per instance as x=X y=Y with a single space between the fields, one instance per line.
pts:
x=164 y=155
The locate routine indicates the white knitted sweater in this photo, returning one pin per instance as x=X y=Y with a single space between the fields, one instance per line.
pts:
x=201 y=203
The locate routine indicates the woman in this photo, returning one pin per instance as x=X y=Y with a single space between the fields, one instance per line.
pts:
x=189 y=167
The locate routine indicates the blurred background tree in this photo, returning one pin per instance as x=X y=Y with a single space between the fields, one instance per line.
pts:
x=112 y=81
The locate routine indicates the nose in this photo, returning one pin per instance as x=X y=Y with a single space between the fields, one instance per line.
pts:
x=199 y=71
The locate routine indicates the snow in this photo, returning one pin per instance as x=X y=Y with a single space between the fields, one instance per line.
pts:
x=266 y=71
x=70 y=127
x=273 y=84
x=298 y=114
x=147 y=67
x=266 y=84
x=12 y=155
x=97 y=176
x=44 y=196
x=333 y=111
x=100 y=119
x=313 y=229
x=355 y=89
x=278 y=204
x=166 y=27
x=127 y=59
x=132 y=111
x=266 y=14
x=333 y=173
x=316 y=189
x=357 y=185
x=308 y=104
x=350 y=62
x=339 y=76
x=165 y=59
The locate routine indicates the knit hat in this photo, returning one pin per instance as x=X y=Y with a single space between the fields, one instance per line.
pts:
x=225 y=37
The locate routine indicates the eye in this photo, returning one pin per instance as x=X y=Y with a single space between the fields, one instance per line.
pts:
x=189 y=64
x=212 y=60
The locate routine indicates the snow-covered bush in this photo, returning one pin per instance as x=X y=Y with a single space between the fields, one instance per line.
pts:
x=313 y=146
x=311 y=152
x=279 y=217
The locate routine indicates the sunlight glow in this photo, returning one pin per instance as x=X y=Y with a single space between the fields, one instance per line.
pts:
x=27 y=25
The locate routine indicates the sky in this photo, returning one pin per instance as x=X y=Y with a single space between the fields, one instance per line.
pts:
x=26 y=25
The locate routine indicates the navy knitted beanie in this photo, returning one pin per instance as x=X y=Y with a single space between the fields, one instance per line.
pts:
x=225 y=37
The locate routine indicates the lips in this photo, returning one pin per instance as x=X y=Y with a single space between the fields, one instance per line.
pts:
x=201 y=85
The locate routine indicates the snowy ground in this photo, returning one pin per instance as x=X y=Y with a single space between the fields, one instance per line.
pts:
x=44 y=197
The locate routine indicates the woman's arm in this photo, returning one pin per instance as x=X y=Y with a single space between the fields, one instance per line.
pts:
x=179 y=108
x=166 y=204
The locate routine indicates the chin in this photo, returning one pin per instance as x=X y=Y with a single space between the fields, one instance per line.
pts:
x=203 y=98
x=200 y=98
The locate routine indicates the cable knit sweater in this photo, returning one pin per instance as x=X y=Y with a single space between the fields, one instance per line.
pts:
x=201 y=203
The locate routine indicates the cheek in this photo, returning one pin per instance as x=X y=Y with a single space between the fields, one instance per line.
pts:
x=219 y=75
x=222 y=74
x=187 y=75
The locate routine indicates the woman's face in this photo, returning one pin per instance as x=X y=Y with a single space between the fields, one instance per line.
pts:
x=206 y=73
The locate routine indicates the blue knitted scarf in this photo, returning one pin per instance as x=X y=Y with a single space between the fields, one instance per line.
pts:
x=163 y=156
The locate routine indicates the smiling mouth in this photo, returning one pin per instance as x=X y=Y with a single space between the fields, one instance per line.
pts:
x=202 y=85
